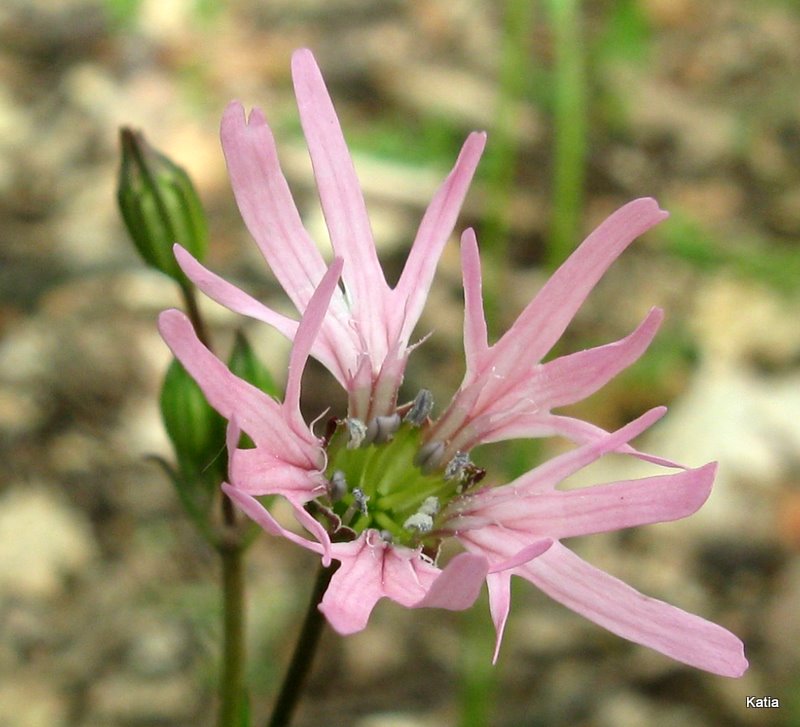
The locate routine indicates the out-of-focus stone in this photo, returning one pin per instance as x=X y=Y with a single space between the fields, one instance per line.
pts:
x=26 y=701
x=42 y=540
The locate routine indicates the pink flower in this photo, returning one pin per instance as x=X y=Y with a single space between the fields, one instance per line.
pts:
x=386 y=485
x=364 y=338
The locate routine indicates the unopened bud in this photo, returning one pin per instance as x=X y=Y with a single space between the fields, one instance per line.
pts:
x=196 y=431
x=244 y=363
x=159 y=205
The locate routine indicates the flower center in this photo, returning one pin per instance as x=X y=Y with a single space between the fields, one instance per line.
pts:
x=378 y=478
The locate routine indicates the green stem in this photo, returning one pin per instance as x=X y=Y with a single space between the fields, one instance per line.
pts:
x=303 y=653
x=232 y=684
x=570 y=129
x=193 y=311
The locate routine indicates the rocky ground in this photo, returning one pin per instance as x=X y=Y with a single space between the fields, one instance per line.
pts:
x=108 y=605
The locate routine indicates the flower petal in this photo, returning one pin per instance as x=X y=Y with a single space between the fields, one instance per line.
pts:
x=435 y=228
x=266 y=203
x=255 y=412
x=600 y=508
x=546 y=317
x=304 y=339
x=260 y=471
x=476 y=344
x=457 y=587
x=371 y=569
x=576 y=376
x=229 y=296
x=624 y=611
x=342 y=202
x=261 y=516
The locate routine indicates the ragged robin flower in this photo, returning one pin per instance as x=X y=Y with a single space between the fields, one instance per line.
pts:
x=381 y=488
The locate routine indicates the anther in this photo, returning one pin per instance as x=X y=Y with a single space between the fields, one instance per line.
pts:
x=382 y=428
x=429 y=456
x=429 y=506
x=337 y=486
x=420 y=409
x=361 y=499
x=356 y=432
x=457 y=466
x=420 y=522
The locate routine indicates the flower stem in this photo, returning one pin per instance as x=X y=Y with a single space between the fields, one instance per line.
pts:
x=192 y=309
x=232 y=686
x=303 y=653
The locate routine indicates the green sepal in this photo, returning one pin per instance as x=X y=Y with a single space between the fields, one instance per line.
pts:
x=244 y=363
x=197 y=433
x=159 y=205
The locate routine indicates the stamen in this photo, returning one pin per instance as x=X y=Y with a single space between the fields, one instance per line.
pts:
x=456 y=466
x=382 y=428
x=429 y=456
x=356 y=432
x=430 y=506
x=420 y=409
x=420 y=522
x=337 y=486
x=361 y=499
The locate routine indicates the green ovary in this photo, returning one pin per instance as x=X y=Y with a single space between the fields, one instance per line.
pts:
x=395 y=487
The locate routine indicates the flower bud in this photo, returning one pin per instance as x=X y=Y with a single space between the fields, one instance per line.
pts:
x=196 y=431
x=159 y=205
x=246 y=365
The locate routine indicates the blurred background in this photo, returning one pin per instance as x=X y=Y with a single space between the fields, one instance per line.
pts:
x=109 y=607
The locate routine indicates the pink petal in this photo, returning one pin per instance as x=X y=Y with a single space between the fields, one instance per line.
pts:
x=476 y=344
x=601 y=508
x=261 y=516
x=260 y=471
x=342 y=201
x=545 y=424
x=546 y=317
x=624 y=611
x=266 y=203
x=230 y=296
x=255 y=412
x=370 y=570
x=307 y=332
x=548 y=475
x=458 y=585
x=572 y=378
x=499 y=585
x=437 y=224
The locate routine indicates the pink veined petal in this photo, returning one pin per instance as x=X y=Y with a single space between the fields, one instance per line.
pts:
x=304 y=339
x=230 y=296
x=333 y=357
x=597 y=509
x=476 y=344
x=574 y=377
x=499 y=585
x=435 y=228
x=255 y=412
x=261 y=516
x=370 y=570
x=342 y=202
x=262 y=472
x=546 y=317
x=266 y=203
x=457 y=587
x=609 y=602
x=545 y=424
x=546 y=476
